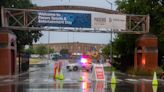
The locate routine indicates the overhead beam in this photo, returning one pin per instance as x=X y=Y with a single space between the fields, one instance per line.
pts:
x=74 y=30
x=29 y=17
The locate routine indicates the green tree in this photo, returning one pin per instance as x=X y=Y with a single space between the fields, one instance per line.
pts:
x=30 y=50
x=25 y=37
x=51 y=50
x=106 y=51
x=124 y=44
x=41 y=50
x=64 y=51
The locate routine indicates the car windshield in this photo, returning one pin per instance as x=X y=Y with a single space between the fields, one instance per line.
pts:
x=75 y=58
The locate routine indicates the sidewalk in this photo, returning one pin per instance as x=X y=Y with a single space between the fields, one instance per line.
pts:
x=135 y=76
x=31 y=69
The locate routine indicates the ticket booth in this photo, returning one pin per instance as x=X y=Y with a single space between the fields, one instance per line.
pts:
x=146 y=53
x=7 y=53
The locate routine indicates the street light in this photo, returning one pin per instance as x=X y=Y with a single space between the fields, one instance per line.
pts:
x=111 y=4
x=111 y=34
x=68 y=0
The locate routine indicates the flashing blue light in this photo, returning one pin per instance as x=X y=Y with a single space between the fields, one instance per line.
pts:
x=83 y=60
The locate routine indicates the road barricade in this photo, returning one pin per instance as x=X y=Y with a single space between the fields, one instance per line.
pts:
x=98 y=73
x=57 y=70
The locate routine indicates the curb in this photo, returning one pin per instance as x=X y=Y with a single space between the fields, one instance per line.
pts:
x=135 y=76
x=17 y=75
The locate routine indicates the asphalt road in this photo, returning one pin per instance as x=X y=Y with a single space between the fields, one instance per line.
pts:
x=41 y=80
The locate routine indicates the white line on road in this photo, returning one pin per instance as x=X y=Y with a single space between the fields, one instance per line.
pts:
x=148 y=80
x=8 y=80
x=29 y=80
x=119 y=80
x=131 y=80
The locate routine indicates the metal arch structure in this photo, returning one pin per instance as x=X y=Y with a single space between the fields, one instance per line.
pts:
x=26 y=19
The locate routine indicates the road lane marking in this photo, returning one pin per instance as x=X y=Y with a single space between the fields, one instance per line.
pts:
x=8 y=80
x=68 y=79
x=132 y=80
x=119 y=80
x=146 y=80
x=29 y=80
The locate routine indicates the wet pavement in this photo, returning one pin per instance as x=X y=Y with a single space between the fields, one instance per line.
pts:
x=41 y=80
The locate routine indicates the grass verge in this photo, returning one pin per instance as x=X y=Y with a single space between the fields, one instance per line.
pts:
x=107 y=69
x=34 y=60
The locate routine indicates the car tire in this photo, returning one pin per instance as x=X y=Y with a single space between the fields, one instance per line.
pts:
x=68 y=68
x=75 y=68
x=91 y=68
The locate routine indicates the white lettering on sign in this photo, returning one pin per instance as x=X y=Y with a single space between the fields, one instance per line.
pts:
x=98 y=73
x=111 y=21
x=53 y=18
x=99 y=21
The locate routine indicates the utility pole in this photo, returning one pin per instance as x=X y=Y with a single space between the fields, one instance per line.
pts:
x=110 y=33
x=111 y=4
x=48 y=47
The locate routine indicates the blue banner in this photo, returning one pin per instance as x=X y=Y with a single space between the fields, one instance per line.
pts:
x=64 y=19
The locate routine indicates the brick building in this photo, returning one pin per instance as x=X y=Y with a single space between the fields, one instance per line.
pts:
x=75 y=47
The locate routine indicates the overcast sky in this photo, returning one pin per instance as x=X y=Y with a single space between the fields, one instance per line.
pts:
x=60 y=37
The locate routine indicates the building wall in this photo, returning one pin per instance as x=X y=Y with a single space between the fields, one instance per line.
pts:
x=75 y=47
x=7 y=53
x=146 y=53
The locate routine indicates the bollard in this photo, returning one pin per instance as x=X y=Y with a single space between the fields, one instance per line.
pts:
x=55 y=71
x=81 y=78
x=57 y=74
x=61 y=76
x=113 y=87
x=113 y=79
x=155 y=81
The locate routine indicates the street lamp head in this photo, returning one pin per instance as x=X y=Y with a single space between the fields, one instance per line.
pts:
x=110 y=4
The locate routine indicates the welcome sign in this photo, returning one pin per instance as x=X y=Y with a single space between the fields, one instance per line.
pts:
x=82 y=20
x=64 y=19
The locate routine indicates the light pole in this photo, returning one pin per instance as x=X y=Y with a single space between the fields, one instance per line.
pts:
x=111 y=4
x=110 y=33
x=48 y=47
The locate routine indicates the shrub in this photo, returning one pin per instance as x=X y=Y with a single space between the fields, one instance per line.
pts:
x=141 y=72
x=159 y=70
x=107 y=68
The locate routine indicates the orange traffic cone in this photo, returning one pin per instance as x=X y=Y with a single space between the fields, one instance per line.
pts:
x=55 y=71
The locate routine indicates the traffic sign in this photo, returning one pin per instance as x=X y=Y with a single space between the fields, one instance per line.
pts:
x=98 y=73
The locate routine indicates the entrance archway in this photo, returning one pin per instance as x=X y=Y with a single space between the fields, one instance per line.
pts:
x=27 y=19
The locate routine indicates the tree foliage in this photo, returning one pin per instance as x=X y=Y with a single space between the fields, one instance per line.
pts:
x=26 y=37
x=41 y=50
x=124 y=44
x=64 y=51
x=106 y=51
x=123 y=47
x=38 y=50
x=51 y=50
x=30 y=50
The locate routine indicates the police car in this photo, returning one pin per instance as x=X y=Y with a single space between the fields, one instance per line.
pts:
x=78 y=62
